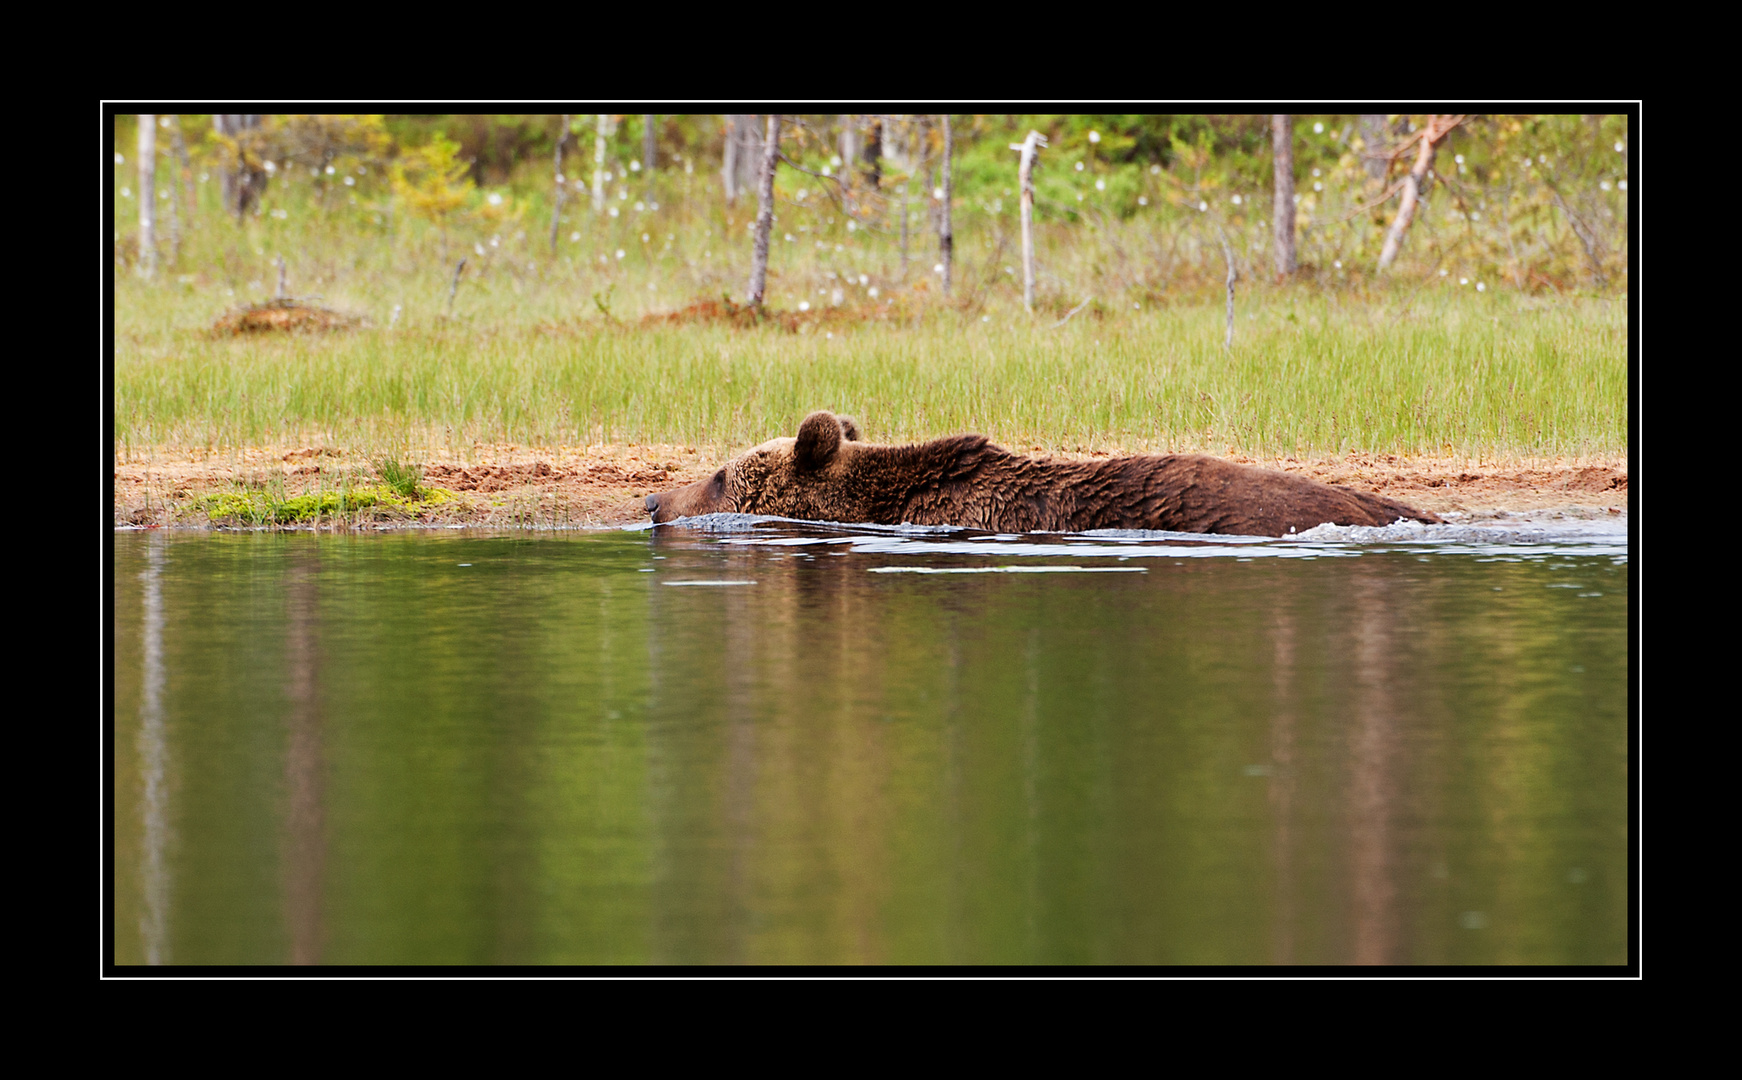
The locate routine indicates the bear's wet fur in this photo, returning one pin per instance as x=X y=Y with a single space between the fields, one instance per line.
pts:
x=827 y=474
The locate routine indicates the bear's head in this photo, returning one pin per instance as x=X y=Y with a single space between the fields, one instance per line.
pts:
x=798 y=477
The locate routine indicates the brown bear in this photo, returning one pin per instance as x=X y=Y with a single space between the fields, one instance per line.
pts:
x=828 y=474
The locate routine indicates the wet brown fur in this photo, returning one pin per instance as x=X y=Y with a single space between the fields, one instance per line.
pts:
x=827 y=474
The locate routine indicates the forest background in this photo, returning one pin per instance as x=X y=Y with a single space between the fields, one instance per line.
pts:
x=467 y=281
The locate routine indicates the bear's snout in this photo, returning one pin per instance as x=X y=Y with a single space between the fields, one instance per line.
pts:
x=702 y=497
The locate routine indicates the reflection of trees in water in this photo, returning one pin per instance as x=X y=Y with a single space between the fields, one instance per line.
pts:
x=305 y=856
x=1335 y=770
x=1376 y=757
x=768 y=699
x=569 y=761
x=153 y=748
x=696 y=768
x=1283 y=721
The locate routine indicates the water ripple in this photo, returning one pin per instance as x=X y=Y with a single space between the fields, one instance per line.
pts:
x=1507 y=538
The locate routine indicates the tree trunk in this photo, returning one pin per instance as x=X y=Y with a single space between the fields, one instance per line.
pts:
x=1438 y=127
x=602 y=130
x=1233 y=276
x=184 y=174
x=649 y=150
x=870 y=170
x=914 y=128
x=1282 y=208
x=147 y=195
x=241 y=184
x=738 y=169
x=1375 y=153
x=729 y=160
x=946 y=235
x=764 y=212
x=849 y=141
x=904 y=188
x=1588 y=238
x=931 y=197
x=172 y=204
x=556 y=213
x=1025 y=178
x=898 y=141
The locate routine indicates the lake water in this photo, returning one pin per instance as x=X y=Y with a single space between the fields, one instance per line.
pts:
x=760 y=742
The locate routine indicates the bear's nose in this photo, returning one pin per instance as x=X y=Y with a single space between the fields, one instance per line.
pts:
x=652 y=504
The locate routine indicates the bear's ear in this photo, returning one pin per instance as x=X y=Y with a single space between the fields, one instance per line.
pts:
x=849 y=428
x=818 y=439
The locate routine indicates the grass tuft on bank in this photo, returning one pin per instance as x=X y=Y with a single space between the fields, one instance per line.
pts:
x=256 y=508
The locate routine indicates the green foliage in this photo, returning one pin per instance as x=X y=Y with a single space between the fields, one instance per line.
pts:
x=529 y=357
x=1168 y=183
x=431 y=180
x=325 y=145
x=405 y=480
x=258 y=508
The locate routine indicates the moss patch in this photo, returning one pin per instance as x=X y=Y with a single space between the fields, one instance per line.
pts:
x=260 y=508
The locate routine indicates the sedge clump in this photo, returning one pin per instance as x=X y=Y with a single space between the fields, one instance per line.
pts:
x=260 y=509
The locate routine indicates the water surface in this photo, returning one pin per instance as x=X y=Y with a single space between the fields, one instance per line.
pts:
x=748 y=741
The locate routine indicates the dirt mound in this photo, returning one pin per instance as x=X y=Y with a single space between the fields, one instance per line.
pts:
x=723 y=311
x=487 y=478
x=283 y=316
x=1442 y=485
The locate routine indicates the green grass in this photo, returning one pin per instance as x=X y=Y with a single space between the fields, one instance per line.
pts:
x=1342 y=360
x=1457 y=373
x=257 y=507
x=405 y=481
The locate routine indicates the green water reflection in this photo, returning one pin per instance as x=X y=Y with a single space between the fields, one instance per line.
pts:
x=357 y=750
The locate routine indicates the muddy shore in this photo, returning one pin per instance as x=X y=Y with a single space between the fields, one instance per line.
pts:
x=600 y=486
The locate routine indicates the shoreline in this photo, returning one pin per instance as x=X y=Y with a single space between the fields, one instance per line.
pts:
x=509 y=486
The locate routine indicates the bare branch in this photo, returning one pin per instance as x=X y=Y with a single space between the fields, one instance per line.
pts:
x=1071 y=312
x=1375 y=204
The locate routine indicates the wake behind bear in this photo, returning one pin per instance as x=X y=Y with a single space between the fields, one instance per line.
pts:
x=827 y=474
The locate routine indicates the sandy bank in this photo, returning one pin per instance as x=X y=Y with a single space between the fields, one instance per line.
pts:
x=512 y=486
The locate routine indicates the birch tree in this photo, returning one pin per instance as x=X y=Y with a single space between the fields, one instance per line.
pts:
x=764 y=211
x=185 y=172
x=184 y=183
x=1427 y=141
x=241 y=182
x=1374 y=157
x=1029 y=147
x=729 y=160
x=739 y=158
x=556 y=213
x=147 y=195
x=603 y=131
x=849 y=141
x=870 y=166
x=861 y=148
x=946 y=234
x=649 y=149
x=172 y=191
x=910 y=165
x=1282 y=207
